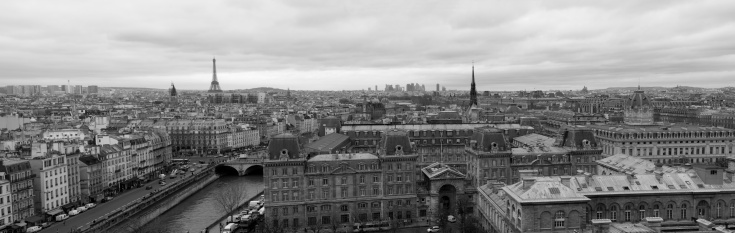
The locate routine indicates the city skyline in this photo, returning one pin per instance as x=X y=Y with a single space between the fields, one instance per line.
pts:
x=328 y=45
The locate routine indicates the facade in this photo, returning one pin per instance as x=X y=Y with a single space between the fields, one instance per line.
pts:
x=75 y=192
x=18 y=172
x=92 y=179
x=115 y=166
x=238 y=138
x=667 y=144
x=336 y=191
x=6 y=215
x=64 y=134
x=50 y=184
x=209 y=136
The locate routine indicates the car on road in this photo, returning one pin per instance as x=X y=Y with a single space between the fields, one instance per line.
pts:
x=433 y=229
x=33 y=229
x=451 y=218
x=61 y=217
x=109 y=198
x=90 y=205
x=148 y=187
x=73 y=212
x=163 y=183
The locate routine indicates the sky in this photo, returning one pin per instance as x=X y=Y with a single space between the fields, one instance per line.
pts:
x=354 y=45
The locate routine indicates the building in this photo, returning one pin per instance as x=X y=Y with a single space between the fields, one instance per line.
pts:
x=50 y=184
x=73 y=178
x=638 y=109
x=18 y=172
x=6 y=202
x=667 y=144
x=92 y=89
x=92 y=179
x=116 y=167
x=664 y=202
x=64 y=134
x=336 y=191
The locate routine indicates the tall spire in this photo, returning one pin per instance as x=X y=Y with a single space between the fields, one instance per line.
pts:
x=473 y=91
x=214 y=87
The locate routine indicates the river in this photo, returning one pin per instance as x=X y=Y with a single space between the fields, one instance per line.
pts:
x=200 y=210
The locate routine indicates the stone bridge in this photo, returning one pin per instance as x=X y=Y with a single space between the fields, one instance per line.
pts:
x=241 y=166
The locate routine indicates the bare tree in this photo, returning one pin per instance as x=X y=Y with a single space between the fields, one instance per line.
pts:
x=230 y=198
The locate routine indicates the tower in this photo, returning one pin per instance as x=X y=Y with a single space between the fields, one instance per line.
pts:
x=473 y=91
x=172 y=91
x=214 y=87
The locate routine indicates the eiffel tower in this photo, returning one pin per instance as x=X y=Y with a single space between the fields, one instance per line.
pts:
x=214 y=87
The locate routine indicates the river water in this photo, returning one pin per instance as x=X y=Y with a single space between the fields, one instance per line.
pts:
x=200 y=210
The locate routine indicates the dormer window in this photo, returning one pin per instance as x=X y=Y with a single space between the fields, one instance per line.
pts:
x=399 y=148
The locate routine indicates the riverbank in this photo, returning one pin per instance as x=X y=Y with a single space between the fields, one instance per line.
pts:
x=215 y=227
x=175 y=191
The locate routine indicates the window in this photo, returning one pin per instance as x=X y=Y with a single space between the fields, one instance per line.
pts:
x=600 y=212
x=325 y=208
x=376 y=179
x=344 y=208
x=642 y=212
x=362 y=205
x=325 y=181
x=559 y=220
x=362 y=179
x=344 y=180
x=344 y=192
x=310 y=209
x=683 y=211
x=312 y=221
x=614 y=213
x=655 y=211
x=345 y=218
x=670 y=211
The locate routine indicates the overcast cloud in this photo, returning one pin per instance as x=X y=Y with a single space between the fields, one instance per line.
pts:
x=345 y=44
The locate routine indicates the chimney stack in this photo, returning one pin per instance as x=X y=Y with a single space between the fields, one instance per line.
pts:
x=654 y=223
x=566 y=181
x=528 y=182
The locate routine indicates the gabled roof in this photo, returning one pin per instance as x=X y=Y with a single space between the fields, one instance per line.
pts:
x=543 y=189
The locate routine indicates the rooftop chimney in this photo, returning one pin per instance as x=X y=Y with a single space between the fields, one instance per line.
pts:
x=528 y=182
x=566 y=181
x=654 y=223
x=528 y=173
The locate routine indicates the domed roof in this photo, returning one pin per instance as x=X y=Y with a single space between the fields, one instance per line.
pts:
x=639 y=100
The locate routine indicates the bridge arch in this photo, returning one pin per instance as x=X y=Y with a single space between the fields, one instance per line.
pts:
x=224 y=170
x=253 y=170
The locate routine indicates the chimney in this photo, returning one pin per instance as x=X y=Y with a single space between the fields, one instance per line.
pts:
x=566 y=181
x=705 y=225
x=528 y=173
x=528 y=182
x=659 y=171
x=601 y=225
x=580 y=172
x=654 y=223
x=588 y=177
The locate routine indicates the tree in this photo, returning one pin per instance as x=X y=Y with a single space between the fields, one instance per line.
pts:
x=230 y=198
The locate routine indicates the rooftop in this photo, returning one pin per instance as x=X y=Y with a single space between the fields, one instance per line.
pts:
x=336 y=157
x=658 y=128
x=328 y=142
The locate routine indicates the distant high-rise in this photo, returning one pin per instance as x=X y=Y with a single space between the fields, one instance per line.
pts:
x=437 y=87
x=444 y=88
x=92 y=89
x=376 y=87
x=473 y=91
x=78 y=89
x=52 y=89
x=214 y=87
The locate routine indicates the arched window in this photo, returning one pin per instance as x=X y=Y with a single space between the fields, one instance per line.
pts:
x=732 y=210
x=559 y=219
x=613 y=213
x=642 y=212
x=600 y=212
x=719 y=210
x=627 y=213
x=683 y=211
x=670 y=211
x=655 y=210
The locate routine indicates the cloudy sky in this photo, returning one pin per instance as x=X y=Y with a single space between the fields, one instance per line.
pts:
x=347 y=44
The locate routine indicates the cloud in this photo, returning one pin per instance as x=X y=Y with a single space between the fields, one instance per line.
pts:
x=346 y=44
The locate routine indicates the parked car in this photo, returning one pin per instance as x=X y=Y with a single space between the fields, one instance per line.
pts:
x=73 y=212
x=90 y=205
x=81 y=209
x=433 y=229
x=61 y=217
x=148 y=187
x=33 y=229
x=109 y=198
x=451 y=218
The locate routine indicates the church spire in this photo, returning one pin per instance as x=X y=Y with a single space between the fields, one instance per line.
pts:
x=473 y=91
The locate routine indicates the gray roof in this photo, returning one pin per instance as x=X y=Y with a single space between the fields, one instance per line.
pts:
x=337 y=157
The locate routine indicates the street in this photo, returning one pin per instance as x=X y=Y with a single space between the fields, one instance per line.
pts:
x=103 y=209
